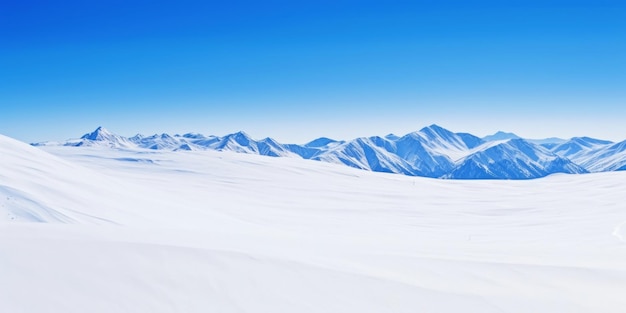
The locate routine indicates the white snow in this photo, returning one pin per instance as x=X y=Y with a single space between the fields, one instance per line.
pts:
x=94 y=229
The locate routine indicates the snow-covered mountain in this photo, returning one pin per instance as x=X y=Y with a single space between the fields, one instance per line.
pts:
x=429 y=152
x=546 y=142
x=610 y=157
x=101 y=137
x=500 y=135
x=374 y=153
x=432 y=151
x=595 y=155
x=577 y=147
x=159 y=142
x=513 y=159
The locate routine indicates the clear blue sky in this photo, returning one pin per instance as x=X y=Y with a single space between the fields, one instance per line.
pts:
x=296 y=70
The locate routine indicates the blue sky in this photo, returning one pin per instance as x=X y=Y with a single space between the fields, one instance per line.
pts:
x=296 y=70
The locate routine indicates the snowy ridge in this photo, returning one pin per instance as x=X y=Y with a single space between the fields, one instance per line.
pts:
x=513 y=159
x=374 y=154
x=610 y=157
x=432 y=151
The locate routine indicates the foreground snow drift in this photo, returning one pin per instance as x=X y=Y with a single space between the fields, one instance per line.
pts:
x=203 y=231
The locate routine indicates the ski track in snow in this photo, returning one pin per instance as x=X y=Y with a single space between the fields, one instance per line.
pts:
x=92 y=229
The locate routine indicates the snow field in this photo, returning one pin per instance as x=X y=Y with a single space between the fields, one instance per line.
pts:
x=101 y=230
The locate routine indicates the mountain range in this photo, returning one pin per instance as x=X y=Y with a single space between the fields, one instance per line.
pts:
x=432 y=151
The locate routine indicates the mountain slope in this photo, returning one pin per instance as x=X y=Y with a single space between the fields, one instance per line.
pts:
x=434 y=149
x=513 y=159
x=374 y=154
x=611 y=157
x=242 y=143
x=160 y=142
x=577 y=147
x=412 y=148
x=36 y=186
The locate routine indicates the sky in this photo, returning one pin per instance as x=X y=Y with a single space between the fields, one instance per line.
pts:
x=298 y=70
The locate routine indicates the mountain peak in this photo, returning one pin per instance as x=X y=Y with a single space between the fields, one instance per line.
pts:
x=99 y=134
x=241 y=133
x=435 y=130
x=434 y=127
x=193 y=136
x=500 y=135
x=239 y=137
x=392 y=136
x=319 y=142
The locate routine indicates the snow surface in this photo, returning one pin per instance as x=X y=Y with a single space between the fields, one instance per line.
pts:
x=96 y=229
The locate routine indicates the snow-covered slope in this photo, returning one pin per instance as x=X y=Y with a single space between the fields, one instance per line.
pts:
x=595 y=155
x=429 y=152
x=160 y=142
x=374 y=154
x=611 y=157
x=36 y=186
x=432 y=151
x=446 y=142
x=207 y=231
x=577 y=147
x=412 y=148
x=513 y=159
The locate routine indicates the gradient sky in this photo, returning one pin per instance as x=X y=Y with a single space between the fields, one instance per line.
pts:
x=297 y=70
